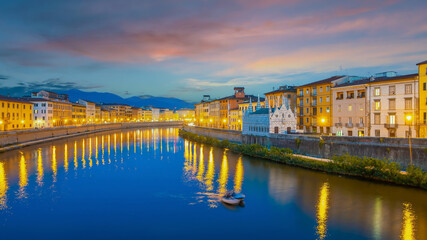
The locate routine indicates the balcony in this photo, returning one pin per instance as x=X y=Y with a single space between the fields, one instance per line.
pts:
x=360 y=125
x=350 y=97
x=340 y=98
x=313 y=94
x=387 y=125
x=349 y=125
x=314 y=104
x=338 y=124
x=361 y=95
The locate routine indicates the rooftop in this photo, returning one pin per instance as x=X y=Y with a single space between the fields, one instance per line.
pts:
x=12 y=99
x=327 y=80
x=424 y=62
x=283 y=89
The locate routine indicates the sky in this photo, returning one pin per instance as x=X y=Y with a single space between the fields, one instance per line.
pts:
x=186 y=49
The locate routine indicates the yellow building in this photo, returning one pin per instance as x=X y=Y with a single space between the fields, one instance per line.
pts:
x=62 y=114
x=187 y=115
x=16 y=114
x=147 y=115
x=235 y=120
x=78 y=113
x=422 y=105
x=105 y=115
x=275 y=97
x=315 y=105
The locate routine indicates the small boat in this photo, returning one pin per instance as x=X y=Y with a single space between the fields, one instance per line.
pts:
x=231 y=200
x=238 y=196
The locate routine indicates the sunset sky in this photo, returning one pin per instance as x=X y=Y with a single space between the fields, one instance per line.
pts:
x=189 y=48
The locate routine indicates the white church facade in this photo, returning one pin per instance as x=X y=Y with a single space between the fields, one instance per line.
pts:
x=264 y=121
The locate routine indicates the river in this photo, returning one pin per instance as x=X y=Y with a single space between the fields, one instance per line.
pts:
x=151 y=184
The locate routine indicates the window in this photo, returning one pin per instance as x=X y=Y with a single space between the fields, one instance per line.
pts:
x=306 y=100
x=392 y=104
x=392 y=90
x=425 y=117
x=320 y=99
x=327 y=109
x=350 y=108
x=377 y=91
x=408 y=89
x=307 y=120
x=327 y=88
x=377 y=105
x=377 y=133
x=408 y=103
x=392 y=119
x=377 y=119
x=307 y=91
x=361 y=120
x=307 y=111
x=339 y=120
x=350 y=120
x=327 y=99
x=361 y=107
x=320 y=110
x=321 y=89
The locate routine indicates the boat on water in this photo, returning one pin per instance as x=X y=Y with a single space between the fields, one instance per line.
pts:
x=233 y=198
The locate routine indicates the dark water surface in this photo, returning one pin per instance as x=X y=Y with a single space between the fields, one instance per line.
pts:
x=151 y=184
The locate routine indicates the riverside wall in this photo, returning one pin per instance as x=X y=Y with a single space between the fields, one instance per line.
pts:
x=395 y=149
x=19 y=137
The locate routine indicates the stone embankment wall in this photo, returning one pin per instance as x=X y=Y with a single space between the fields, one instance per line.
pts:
x=18 y=137
x=395 y=149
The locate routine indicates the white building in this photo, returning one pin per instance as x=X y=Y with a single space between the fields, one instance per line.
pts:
x=264 y=121
x=392 y=100
x=42 y=113
x=90 y=110
x=283 y=120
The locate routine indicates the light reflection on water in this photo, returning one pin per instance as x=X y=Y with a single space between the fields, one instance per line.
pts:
x=282 y=201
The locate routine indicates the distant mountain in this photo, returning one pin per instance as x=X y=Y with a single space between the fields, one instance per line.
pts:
x=140 y=101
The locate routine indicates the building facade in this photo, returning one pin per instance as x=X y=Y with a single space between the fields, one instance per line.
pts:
x=393 y=101
x=16 y=114
x=350 y=109
x=422 y=104
x=275 y=97
x=315 y=105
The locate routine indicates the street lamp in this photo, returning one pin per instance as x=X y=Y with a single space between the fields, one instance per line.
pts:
x=409 y=119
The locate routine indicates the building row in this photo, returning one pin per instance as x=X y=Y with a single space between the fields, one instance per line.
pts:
x=383 y=105
x=45 y=109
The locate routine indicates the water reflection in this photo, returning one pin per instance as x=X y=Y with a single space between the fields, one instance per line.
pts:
x=3 y=187
x=322 y=211
x=320 y=204
x=408 y=224
x=23 y=177
x=40 y=172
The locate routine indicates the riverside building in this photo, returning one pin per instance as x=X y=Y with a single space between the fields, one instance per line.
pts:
x=16 y=114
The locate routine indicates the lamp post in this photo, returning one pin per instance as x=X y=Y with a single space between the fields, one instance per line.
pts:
x=409 y=118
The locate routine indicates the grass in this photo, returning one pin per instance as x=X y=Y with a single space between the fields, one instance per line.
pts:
x=366 y=167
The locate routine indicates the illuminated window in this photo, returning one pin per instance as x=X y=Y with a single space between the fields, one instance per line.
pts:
x=327 y=109
x=377 y=91
x=377 y=105
x=350 y=108
x=392 y=119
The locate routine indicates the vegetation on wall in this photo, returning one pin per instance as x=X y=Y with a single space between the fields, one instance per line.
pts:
x=369 y=168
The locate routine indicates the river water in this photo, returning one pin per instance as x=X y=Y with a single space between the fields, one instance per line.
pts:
x=151 y=184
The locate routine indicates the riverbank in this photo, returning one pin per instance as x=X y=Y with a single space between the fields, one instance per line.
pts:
x=366 y=168
x=14 y=140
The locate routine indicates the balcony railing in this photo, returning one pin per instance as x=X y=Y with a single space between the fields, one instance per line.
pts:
x=338 y=124
x=360 y=125
x=340 y=98
x=314 y=94
x=350 y=97
x=387 y=125
x=349 y=125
